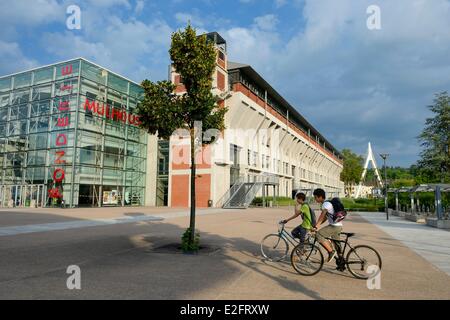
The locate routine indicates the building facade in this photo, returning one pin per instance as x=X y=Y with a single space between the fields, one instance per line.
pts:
x=267 y=148
x=69 y=135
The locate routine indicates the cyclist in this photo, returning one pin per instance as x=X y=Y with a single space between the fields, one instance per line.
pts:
x=301 y=208
x=332 y=230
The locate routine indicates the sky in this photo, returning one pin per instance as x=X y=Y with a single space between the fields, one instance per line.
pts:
x=355 y=84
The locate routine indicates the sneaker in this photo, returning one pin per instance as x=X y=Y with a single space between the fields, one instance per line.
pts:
x=331 y=255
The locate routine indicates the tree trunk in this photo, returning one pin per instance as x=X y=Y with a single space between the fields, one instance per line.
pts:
x=192 y=221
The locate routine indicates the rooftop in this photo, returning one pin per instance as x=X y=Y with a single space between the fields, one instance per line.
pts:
x=248 y=71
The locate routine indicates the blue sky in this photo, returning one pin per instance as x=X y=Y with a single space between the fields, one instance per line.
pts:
x=353 y=84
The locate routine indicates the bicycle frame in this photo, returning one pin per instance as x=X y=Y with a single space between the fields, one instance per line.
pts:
x=282 y=233
x=337 y=245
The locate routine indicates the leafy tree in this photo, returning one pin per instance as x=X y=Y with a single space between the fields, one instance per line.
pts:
x=435 y=141
x=163 y=112
x=353 y=168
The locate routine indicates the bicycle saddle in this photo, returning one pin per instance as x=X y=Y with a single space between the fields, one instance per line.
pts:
x=348 y=234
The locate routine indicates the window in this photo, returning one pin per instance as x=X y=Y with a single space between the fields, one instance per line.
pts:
x=234 y=154
x=4 y=100
x=22 y=80
x=5 y=84
x=117 y=83
x=42 y=93
x=94 y=73
x=43 y=75
x=20 y=96
x=38 y=124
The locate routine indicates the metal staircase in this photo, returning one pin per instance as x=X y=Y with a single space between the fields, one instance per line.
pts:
x=244 y=190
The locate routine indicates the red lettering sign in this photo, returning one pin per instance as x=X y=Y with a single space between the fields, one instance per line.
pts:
x=111 y=113
x=66 y=70
x=65 y=87
x=64 y=106
x=58 y=175
x=62 y=122
x=61 y=140
x=59 y=158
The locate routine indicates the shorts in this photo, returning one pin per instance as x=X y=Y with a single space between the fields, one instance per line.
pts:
x=329 y=231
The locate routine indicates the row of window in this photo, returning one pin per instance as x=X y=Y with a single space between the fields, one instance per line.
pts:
x=83 y=174
x=284 y=168
x=71 y=70
x=88 y=122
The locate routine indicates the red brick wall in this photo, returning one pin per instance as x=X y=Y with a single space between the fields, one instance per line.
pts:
x=220 y=81
x=202 y=190
x=180 y=190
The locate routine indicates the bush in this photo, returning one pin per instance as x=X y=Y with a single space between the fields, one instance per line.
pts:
x=281 y=201
x=371 y=205
x=190 y=247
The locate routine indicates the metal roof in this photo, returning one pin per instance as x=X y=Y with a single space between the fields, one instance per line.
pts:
x=422 y=188
x=251 y=73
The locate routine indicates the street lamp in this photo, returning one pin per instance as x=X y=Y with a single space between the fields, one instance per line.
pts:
x=384 y=157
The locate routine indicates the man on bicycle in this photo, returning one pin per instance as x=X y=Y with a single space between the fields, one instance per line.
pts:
x=301 y=208
x=332 y=230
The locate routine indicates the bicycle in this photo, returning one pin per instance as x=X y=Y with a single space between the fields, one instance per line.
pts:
x=275 y=246
x=357 y=260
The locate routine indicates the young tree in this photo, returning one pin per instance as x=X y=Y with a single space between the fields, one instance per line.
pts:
x=353 y=168
x=162 y=112
x=435 y=140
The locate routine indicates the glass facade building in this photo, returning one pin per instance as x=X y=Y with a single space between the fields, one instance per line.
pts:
x=69 y=135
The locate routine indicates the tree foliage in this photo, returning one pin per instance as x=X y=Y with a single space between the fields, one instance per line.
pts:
x=435 y=141
x=353 y=168
x=162 y=111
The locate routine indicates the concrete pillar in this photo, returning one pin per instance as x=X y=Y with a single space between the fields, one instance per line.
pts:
x=396 y=201
x=412 y=202
x=438 y=202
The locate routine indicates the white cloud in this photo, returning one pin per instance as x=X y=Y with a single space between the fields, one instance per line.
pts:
x=373 y=84
x=26 y=13
x=280 y=3
x=13 y=59
x=139 y=7
x=267 y=22
x=132 y=48
x=109 y=3
x=184 y=18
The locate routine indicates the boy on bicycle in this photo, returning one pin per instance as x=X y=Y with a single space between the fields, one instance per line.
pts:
x=332 y=230
x=301 y=208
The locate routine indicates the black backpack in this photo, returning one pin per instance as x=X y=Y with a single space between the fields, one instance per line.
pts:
x=339 y=210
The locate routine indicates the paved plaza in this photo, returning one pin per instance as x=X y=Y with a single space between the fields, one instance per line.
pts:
x=117 y=251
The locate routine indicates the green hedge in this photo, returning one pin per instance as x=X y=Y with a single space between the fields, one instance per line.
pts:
x=281 y=201
x=372 y=205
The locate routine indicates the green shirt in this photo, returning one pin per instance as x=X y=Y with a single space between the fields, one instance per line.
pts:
x=306 y=216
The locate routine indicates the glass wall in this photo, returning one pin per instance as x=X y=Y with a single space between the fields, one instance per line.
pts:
x=71 y=129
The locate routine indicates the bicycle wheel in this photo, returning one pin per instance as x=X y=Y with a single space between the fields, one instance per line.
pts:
x=307 y=259
x=360 y=258
x=274 y=248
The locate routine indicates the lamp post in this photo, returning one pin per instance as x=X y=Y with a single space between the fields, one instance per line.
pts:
x=384 y=157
